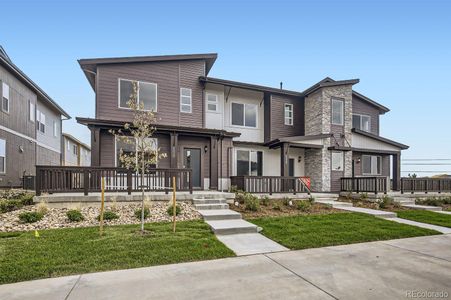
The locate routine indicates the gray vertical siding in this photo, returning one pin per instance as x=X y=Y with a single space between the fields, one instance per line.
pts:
x=169 y=77
x=363 y=108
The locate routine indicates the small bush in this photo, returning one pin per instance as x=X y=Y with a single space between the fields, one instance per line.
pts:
x=363 y=196
x=27 y=199
x=108 y=216
x=277 y=206
x=30 y=217
x=311 y=200
x=252 y=203
x=74 y=215
x=9 y=205
x=42 y=207
x=303 y=206
x=146 y=213
x=264 y=200
x=286 y=201
x=170 y=210
x=386 y=202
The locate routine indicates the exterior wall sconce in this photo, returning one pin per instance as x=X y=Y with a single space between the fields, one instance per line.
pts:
x=21 y=149
x=205 y=149
x=299 y=159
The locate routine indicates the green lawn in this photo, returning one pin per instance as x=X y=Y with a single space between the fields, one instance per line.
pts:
x=301 y=232
x=59 y=252
x=424 y=216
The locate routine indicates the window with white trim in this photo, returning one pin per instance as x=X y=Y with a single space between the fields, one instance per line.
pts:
x=249 y=163
x=55 y=129
x=5 y=97
x=212 y=103
x=40 y=124
x=68 y=145
x=288 y=110
x=362 y=122
x=31 y=111
x=337 y=112
x=185 y=100
x=75 y=149
x=337 y=161
x=2 y=156
x=244 y=114
x=129 y=148
x=371 y=165
x=146 y=94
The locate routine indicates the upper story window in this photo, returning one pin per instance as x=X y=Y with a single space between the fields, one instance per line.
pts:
x=75 y=149
x=244 y=114
x=2 y=156
x=288 y=109
x=361 y=122
x=31 y=111
x=55 y=128
x=371 y=165
x=337 y=161
x=146 y=94
x=185 y=100
x=5 y=97
x=68 y=145
x=212 y=103
x=337 y=112
x=40 y=124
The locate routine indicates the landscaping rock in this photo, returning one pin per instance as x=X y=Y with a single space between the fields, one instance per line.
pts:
x=57 y=218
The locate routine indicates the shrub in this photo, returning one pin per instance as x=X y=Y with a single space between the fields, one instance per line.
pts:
x=146 y=213
x=74 y=215
x=27 y=199
x=170 y=210
x=386 y=202
x=363 y=196
x=311 y=200
x=264 y=200
x=303 y=206
x=286 y=201
x=108 y=216
x=42 y=207
x=7 y=205
x=30 y=216
x=251 y=203
x=277 y=206
x=241 y=196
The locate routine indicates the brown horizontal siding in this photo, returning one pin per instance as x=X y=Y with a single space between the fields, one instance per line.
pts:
x=169 y=77
x=363 y=108
x=358 y=166
x=277 y=116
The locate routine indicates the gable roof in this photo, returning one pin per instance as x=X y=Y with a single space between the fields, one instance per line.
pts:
x=74 y=139
x=382 y=109
x=10 y=66
x=327 y=82
x=89 y=66
x=379 y=138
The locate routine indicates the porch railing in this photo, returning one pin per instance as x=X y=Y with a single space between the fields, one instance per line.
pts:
x=375 y=184
x=425 y=185
x=66 y=179
x=269 y=184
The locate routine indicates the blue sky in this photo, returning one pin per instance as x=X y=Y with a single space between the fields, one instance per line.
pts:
x=400 y=51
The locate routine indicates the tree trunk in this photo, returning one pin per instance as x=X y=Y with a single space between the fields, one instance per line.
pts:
x=142 y=192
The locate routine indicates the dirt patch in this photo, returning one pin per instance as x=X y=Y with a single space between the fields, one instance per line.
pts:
x=277 y=208
x=378 y=205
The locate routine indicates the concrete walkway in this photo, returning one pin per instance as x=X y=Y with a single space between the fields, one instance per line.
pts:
x=377 y=270
x=441 y=229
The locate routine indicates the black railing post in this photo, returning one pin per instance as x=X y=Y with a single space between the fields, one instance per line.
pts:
x=425 y=186
x=85 y=182
x=402 y=186
x=439 y=186
x=129 y=181
x=190 y=175
x=375 y=185
x=38 y=181
x=270 y=185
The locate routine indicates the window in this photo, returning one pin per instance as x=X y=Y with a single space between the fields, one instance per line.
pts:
x=244 y=114
x=185 y=100
x=31 y=110
x=337 y=161
x=74 y=149
x=249 y=163
x=129 y=148
x=5 y=97
x=371 y=165
x=68 y=145
x=288 y=114
x=361 y=122
x=40 y=124
x=55 y=129
x=146 y=98
x=212 y=103
x=2 y=156
x=337 y=112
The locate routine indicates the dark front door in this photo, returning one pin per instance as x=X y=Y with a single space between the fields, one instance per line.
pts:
x=191 y=161
x=291 y=167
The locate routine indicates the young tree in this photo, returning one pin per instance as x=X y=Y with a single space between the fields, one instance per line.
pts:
x=139 y=133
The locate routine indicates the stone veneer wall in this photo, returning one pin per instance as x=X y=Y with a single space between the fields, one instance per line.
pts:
x=318 y=108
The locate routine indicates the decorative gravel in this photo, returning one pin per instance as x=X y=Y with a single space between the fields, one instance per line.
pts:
x=56 y=217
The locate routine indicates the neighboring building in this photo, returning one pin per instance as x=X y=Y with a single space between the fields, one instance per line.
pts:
x=221 y=128
x=74 y=152
x=30 y=125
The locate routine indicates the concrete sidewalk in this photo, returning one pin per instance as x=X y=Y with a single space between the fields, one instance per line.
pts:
x=376 y=270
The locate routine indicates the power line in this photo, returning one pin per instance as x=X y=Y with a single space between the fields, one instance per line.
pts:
x=424 y=164
x=426 y=159
x=419 y=171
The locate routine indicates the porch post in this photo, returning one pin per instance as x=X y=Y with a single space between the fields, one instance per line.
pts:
x=396 y=171
x=284 y=152
x=213 y=163
x=173 y=150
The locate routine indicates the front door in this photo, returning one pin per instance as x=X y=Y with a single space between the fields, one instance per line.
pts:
x=191 y=160
x=291 y=167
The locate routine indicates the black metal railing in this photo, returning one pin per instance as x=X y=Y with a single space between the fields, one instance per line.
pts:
x=374 y=184
x=66 y=179
x=269 y=184
x=425 y=185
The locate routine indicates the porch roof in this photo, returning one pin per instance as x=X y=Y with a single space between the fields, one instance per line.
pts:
x=379 y=139
x=301 y=141
x=110 y=124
